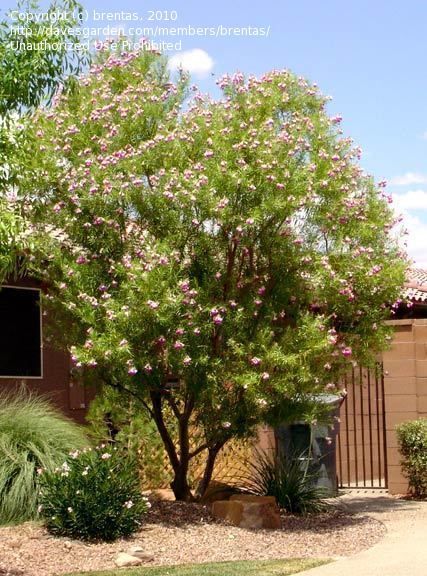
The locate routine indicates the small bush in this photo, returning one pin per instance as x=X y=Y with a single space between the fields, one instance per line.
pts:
x=94 y=495
x=33 y=435
x=286 y=479
x=412 y=439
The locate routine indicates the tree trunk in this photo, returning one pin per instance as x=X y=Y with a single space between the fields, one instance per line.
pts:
x=179 y=461
x=209 y=468
x=180 y=486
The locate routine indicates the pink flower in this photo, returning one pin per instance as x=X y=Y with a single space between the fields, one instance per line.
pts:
x=222 y=203
x=148 y=369
x=187 y=361
x=178 y=345
x=218 y=320
x=347 y=351
x=132 y=371
x=153 y=305
x=179 y=331
x=261 y=291
x=184 y=286
x=265 y=375
x=255 y=361
x=196 y=331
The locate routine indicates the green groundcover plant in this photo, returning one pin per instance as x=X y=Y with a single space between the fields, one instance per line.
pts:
x=412 y=439
x=289 y=480
x=94 y=495
x=33 y=435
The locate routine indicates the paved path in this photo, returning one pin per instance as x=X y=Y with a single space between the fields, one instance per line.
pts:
x=402 y=551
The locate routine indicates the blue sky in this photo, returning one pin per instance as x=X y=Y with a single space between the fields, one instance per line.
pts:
x=370 y=56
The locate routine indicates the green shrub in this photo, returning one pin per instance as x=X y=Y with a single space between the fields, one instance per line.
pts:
x=33 y=435
x=94 y=495
x=412 y=439
x=287 y=480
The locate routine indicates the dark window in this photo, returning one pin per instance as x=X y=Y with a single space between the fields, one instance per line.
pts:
x=20 y=332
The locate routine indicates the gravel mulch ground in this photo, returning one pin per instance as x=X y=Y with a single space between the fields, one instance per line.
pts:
x=179 y=533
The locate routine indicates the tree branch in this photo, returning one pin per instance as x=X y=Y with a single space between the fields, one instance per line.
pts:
x=197 y=451
x=118 y=386
x=174 y=406
x=156 y=400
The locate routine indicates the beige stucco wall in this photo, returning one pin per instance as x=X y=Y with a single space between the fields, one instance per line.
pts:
x=405 y=382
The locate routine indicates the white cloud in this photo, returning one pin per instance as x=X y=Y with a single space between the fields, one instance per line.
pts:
x=412 y=206
x=408 y=179
x=197 y=62
x=416 y=244
x=411 y=200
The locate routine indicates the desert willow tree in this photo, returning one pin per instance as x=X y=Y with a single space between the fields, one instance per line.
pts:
x=220 y=261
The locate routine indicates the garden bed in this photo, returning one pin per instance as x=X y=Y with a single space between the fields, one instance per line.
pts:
x=178 y=533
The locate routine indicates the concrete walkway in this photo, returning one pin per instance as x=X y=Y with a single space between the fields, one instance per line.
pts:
x=402 y=551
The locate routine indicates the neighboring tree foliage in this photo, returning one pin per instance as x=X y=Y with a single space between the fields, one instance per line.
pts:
x=223 y=260
x=36 y=56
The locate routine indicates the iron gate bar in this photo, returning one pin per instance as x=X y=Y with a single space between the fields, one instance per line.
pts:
x=384 y=431
x=339 y=451
x=377 y=396
x=371 y=449
x=347 y=431
x=362 y=426
x=355 y=429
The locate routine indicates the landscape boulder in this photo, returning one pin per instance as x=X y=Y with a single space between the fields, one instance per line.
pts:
x=247 y=511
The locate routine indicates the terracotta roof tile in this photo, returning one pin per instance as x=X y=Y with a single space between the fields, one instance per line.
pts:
x=416 y=285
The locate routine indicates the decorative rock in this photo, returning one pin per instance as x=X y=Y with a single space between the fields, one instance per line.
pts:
x=124 y=559
x=139 y=552
x=217 y=491
x=247 y=511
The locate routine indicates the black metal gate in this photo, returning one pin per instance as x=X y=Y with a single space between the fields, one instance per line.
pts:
x=361 y=442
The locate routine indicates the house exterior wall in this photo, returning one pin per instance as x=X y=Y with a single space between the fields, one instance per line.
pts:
x=405 y=382
x=56 y=382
